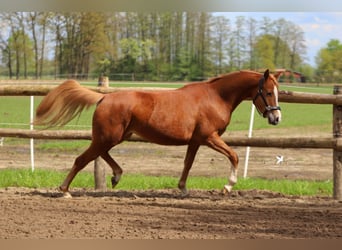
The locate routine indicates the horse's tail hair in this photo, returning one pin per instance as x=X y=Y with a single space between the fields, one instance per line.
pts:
x=64 y=103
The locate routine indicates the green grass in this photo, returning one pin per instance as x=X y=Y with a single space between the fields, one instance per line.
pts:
x=293 y=115
x=50 y=179
x=14 y=111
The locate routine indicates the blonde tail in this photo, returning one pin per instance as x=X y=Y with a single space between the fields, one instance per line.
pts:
x=64 y=103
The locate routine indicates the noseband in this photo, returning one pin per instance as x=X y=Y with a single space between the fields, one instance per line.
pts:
x=260 y=93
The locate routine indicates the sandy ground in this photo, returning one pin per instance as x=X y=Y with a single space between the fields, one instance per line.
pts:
x=164 y=214
x=43 y=214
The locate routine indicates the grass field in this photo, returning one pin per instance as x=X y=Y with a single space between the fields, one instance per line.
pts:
x=14 y=112
x=48 y=179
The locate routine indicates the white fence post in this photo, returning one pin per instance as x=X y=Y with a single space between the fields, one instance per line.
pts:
x=251 y=122
x=31 y=128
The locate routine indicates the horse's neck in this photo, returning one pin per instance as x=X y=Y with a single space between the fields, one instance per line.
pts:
x=234 y=91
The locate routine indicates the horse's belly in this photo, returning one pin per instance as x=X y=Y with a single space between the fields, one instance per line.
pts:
x=163 y=137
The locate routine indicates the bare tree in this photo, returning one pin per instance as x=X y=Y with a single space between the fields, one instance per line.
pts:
x=38 y=24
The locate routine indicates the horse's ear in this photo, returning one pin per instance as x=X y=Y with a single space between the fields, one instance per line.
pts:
x=266 y=73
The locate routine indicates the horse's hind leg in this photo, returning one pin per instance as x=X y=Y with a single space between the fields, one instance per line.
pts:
x=117 y=170
x=81 y=161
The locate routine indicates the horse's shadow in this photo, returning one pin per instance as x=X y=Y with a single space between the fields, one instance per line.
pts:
x=159 y=193
x=134 y=194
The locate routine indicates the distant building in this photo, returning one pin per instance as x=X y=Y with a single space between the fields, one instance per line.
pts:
x=290 y=76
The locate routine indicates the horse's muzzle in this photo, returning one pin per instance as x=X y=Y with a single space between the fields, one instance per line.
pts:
x=274 y=117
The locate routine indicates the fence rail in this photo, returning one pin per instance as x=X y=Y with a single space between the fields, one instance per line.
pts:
x=289 y=142
x=334 y=142
x=284 y=96
x=42 y=90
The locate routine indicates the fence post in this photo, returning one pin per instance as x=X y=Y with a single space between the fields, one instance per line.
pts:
x=100 y=174
x=103 y=82
x=99 y=163
x=337 y=155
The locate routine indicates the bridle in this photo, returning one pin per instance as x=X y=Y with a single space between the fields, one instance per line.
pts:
x=260 y=93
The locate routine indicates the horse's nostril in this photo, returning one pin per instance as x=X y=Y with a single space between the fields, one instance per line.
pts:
x=276 y=120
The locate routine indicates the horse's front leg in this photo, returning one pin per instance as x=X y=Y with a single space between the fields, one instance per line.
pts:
x=189 y=159
x=232 y=180
x=215 y=142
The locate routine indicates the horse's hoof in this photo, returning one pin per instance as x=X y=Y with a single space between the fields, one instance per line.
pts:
x=227 y=189
x=184 y=193
x=66 y=194
x=115 y=181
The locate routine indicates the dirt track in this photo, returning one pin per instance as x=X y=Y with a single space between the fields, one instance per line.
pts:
x=44 y=214
x=164 y=214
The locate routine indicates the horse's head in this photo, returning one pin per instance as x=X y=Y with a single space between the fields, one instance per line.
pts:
x=266 y=98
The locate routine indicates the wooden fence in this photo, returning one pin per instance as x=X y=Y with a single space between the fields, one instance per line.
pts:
x=292 y=142
x=334 y=142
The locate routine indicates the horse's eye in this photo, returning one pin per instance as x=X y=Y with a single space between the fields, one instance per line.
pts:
x=269 y=94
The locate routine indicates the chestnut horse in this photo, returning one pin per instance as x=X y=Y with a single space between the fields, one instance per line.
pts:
x=194 y=115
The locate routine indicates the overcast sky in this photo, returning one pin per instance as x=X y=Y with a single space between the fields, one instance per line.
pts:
x=318 y=27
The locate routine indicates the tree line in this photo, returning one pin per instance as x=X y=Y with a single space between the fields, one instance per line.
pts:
x=167 y=46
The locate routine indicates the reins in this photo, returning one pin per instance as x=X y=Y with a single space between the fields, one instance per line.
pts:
x=260 y=93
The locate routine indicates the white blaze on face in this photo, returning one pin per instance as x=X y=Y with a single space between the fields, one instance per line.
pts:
x=275 y=91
